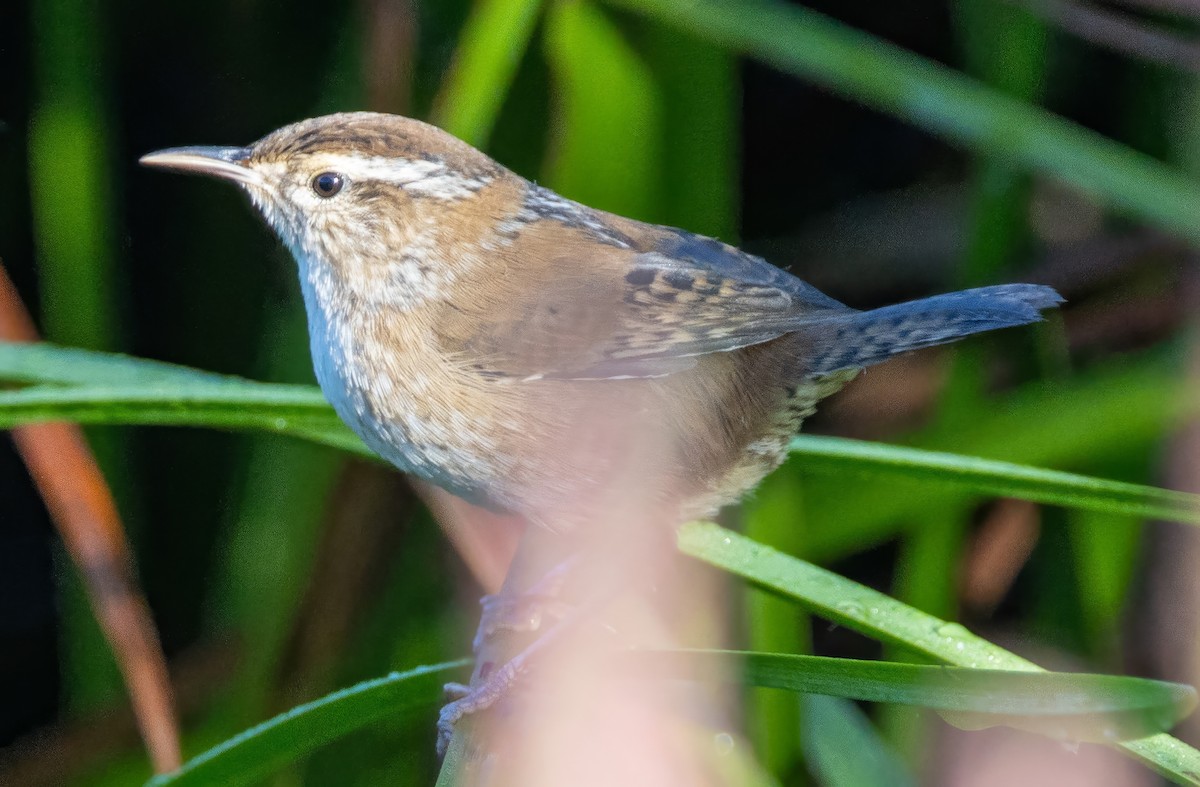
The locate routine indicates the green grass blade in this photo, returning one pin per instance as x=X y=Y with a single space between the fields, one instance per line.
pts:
x=835 y=455
x=105 y=388
x=1081 y=707
x=1070 y=707
x=1103 y=414
x=50 y=363
x=289 y=736
x=844 y=749
x=490 y=49
x=883 y=76
x=298 y=411
x=236 y=405
x=877 y=615
x=135 y=391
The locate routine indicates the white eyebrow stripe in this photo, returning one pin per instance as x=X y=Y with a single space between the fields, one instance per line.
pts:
x=418 y=176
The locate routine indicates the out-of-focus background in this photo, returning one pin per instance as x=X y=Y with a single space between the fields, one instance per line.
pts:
x=278 y=571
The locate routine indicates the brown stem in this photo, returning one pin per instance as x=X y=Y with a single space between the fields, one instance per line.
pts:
x=82 y=508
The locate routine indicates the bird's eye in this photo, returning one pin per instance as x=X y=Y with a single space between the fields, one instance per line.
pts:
x=327 y=184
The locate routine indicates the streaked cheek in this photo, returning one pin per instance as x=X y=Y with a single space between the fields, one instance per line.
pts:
x=368 y=229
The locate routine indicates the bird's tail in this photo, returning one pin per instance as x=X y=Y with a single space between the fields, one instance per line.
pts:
x=866 y=338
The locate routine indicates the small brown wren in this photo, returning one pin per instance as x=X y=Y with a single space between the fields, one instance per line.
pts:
x=485 y=333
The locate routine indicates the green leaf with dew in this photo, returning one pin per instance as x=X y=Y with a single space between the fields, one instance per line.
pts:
x=1067 y=706
x=267 y=747
x=878 y=615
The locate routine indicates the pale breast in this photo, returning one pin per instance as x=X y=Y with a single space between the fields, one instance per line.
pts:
x=392 y=391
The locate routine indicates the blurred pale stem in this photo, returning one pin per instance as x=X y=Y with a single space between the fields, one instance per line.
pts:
x=627 y=590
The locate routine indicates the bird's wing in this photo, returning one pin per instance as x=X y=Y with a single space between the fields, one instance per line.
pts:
x=645 y=305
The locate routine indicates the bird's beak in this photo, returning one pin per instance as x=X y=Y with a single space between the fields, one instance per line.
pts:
x=227 y=163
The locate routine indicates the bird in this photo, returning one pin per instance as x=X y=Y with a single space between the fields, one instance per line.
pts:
x=464 y=320
x=511 y=345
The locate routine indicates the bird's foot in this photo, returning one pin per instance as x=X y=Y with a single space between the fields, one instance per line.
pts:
x=526 y=611
x=467 y=700
x=517 y=612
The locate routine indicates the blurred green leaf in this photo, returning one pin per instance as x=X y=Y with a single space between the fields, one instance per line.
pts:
x=50 y=363
x=259 y=585
x=72 y=185
x=1113 y=410
x=844 y=749
x=1105 y=549
x=945 y=102
x=699 y=88
x=1005 y=45
x=490 y=48
x=877 y=615
x=773 y=515
x=71 y=175
x=606 y=98
x=834 y=455
x=289 y=736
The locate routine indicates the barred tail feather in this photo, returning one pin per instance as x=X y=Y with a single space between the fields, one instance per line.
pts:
x=867 y=338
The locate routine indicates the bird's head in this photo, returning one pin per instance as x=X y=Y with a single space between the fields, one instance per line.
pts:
x=351 y=191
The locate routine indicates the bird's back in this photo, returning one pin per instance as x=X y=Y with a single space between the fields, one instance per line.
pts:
x=585 y=325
